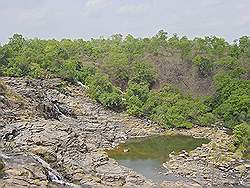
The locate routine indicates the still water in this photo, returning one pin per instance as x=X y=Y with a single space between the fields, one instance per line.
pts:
x=146 y=155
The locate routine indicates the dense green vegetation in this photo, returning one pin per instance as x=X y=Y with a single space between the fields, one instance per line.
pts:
x=121 y=77
x=242 y=137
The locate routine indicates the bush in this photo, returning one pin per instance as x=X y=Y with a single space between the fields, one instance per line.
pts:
x=172 y=109
x=98 y=84
x=185 y=124
x=116 y=65
x=101 y=89
x=36 y=71
x=112 y=100
x=231 y=102
x=134 y=106
x=204 y=65
x=241 y=135
x=136 y=95
x=206 y=119
x=84 y=72
x=140 y=91
x=241 y=138
x=142 y=72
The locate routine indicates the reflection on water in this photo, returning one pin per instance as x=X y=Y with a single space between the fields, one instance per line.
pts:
x=146 y=155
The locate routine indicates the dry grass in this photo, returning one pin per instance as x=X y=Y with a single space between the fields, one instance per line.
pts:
x=183 y=75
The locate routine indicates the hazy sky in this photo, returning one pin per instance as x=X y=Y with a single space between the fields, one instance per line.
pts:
x=94 y=18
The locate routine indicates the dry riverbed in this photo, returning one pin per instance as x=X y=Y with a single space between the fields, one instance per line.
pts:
x=53 y=135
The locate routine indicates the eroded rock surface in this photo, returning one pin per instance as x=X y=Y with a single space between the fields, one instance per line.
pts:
x=53 y=135
x=212 y=164
x=62 y=126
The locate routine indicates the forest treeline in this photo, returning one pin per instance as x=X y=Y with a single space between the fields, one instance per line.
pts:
x=121 y=77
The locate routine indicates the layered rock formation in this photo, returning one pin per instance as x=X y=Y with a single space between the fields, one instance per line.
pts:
x=46 y=120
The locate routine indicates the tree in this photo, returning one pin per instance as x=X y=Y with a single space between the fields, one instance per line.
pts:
x=241 y=136
x=205 y=67
x=116 y=65
x=101 y=89
x=136 y=95
x=142 y=72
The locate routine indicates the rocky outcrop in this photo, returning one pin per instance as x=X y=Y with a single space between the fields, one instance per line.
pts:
x=212 y=164
x=69 y=132
x=22 y=171
x=25 y=170
x=53 y=135
x=179 y=184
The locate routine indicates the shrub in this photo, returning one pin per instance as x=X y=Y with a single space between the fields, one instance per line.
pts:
x=185 y=124
x=206 y=119
x=101 y=89
x=242 y=135
x=140 y=91
x=136 y=95
x=142 y=72
x=112 y=100
x=204 y=65
x=241 y=138
x=134 y=106
x=98 y=84
x=172 y=109
x=84 y=72
x=36 y=71
x=231 y=102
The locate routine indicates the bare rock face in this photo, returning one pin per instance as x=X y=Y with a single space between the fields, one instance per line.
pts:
x=3 y=89
x=49 y=110
x=54 y=137
x=57 y=139
x=212 y=164
x=43 y=152
x=26 y=170
x=1 y=165
x=22 y=171
x=179 y=184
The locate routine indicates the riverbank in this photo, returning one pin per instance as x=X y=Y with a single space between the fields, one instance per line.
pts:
x=213 y=164
x=51 y=121
x=61 y=125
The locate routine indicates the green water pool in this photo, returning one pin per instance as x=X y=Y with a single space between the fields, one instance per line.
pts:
x=146 y=155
